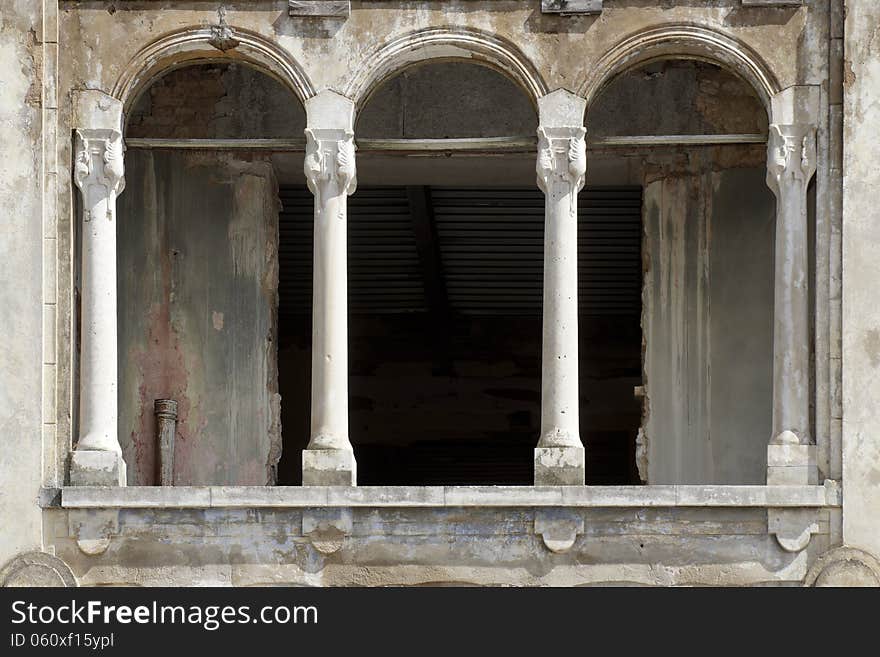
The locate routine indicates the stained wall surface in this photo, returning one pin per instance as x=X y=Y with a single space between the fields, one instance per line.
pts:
x=197 y=244
x=707 y=321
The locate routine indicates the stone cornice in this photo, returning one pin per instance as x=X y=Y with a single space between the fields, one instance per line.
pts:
x=84 y=497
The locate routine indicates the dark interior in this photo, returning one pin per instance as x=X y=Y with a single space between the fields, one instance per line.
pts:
x=445 y=288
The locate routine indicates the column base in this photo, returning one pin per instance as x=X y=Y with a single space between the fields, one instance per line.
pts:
x=96 y=468
x=792 y=465
x=560 y=466
x=328 y=467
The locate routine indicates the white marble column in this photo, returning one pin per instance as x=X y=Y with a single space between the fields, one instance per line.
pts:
x=791 y=164
x=561 y=168
x=330 y=171
x=98 y=172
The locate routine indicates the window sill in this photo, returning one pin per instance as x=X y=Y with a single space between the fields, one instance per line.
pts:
x=199 y=497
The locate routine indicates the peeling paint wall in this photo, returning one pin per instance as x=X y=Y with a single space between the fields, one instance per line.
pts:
x=707 y=321
x=197 y=245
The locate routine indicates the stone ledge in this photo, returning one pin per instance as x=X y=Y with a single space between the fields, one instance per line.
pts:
x=140 y=497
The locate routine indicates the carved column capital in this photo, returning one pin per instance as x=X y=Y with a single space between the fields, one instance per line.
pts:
x=791 y=155
x=562 y=157
x=330 y=163
x=98 y=161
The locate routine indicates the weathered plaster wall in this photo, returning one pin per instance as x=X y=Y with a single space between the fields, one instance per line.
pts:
x=23 y=288
x=314 y=42
x=742 y=232
x=861 y=272
x=197 y=245
x=708 y=302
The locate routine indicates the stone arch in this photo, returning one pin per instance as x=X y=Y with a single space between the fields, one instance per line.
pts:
x=192 y=46
x=33 y=569
x=681 y=41
x=844 y=566
x=445 y=43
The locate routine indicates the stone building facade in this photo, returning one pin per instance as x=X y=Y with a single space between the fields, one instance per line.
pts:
x=472 y=292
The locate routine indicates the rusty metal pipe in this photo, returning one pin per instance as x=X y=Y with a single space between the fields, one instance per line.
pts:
x=166 y=425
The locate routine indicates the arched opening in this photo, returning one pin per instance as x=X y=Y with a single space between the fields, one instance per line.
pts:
x=198 y=252
x=218 y=100
x=692 y=135
x=444 y=281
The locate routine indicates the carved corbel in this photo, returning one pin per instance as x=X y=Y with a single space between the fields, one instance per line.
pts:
x=558 y=528
x=326 y=528
x=793 y=528
x=93 y=529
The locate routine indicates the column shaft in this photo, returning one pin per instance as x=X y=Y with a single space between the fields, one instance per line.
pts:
x=561 y=167
x=99 y=176
x=329 y=427
x=330 y=171
x=559 y=382
x=791 y=459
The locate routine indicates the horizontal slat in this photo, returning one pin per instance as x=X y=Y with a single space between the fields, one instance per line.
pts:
x=491 y=243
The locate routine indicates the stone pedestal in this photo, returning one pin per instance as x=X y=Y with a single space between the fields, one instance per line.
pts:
x=329 y=467
x=560 y=466
x=792 y=464
x=91 y=467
